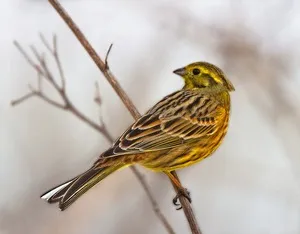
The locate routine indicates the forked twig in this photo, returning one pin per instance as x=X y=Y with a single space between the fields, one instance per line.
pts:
x=44 y=73
x=53 y=51
x=121 y=93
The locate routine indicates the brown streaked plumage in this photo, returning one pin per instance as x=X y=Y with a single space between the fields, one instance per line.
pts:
x=180 y=130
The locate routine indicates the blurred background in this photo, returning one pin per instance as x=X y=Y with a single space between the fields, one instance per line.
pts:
x=250 y=185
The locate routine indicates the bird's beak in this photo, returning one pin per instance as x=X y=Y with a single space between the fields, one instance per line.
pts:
x=180 y=71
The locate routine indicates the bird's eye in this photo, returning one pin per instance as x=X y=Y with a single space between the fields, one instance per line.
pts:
x=196 y=71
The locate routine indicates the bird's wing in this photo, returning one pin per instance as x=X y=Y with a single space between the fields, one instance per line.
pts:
x=180 y=118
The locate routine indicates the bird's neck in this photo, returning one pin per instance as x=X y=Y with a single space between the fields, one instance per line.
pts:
x=221 y=94
x=223 y=98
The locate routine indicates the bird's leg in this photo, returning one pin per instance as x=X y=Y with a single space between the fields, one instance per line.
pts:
x=181 y=191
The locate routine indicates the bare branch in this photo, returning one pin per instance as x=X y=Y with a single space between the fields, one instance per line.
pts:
x=44 y=73
x=120 y=92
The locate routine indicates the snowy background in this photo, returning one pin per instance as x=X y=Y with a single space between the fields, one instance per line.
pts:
x=251 y=184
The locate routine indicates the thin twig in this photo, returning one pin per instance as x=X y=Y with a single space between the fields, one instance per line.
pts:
x=22 y=99
x=40 y=87
x=121 y=93
x=28 y=59
x=44 y=73
x=106 y=56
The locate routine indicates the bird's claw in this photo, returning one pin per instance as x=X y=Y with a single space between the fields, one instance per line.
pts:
x=181 y=192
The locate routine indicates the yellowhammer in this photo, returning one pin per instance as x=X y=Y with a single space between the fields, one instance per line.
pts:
x=180 y=130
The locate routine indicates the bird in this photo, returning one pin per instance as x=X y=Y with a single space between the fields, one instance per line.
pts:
x=180 y=130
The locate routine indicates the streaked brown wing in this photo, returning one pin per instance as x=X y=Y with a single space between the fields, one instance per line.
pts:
x=179 y=118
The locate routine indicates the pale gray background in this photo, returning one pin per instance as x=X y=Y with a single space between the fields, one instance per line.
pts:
x=250 y=185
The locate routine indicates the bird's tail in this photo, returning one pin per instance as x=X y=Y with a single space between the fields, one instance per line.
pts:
x=68 y=192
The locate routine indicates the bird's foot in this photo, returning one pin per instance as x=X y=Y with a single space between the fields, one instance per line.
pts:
x=181 y=192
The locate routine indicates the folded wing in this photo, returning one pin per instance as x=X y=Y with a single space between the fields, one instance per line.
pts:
x=179 y=118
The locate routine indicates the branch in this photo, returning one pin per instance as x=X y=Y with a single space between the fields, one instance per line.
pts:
x=44 y=73
x=121 y=93
x=100 y=64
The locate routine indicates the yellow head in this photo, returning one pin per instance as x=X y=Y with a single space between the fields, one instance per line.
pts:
x=204 y=75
